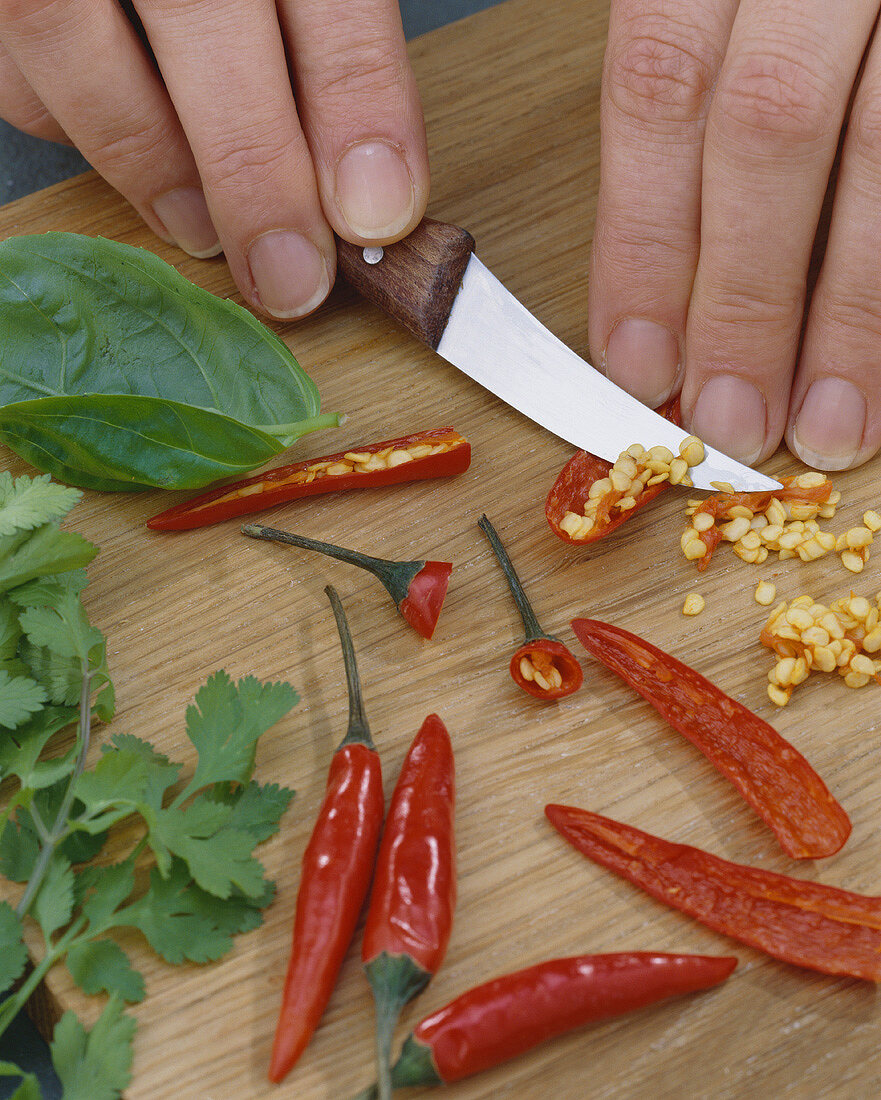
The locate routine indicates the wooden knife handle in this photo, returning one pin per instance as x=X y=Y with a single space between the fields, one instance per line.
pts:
x=417 y=279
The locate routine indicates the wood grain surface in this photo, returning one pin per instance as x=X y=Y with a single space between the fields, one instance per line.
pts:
x=511 y=98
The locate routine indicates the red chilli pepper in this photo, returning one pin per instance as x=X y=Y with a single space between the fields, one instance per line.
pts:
x=819 y=927
x=768 y=771
x=337 y=868
x=503 y=1018
x=543 y=666
x=417 y=587
x=572 y=487
x=438 y=453
x=414 y=888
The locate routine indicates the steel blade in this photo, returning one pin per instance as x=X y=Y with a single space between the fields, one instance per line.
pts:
x=495 y=340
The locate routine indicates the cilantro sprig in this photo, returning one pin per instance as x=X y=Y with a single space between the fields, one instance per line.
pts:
x=199 y=882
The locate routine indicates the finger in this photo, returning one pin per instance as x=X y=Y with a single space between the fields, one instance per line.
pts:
x=661 y=63
x=21 y=107
x=225 y=68
x=84 y=61
x=835 y=412
x=359 y=107
x=771 y=137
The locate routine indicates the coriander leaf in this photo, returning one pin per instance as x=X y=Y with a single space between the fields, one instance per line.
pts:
x=219 y=857
x=19 y=841
x=13 y=953
x=19 y=848
x=48 y=550
x=20 y=697
x=65 y=631
x=20 y=751
x=47 y=591
x=61 y=677
x=161 y=772
x=101 y=966
x=101 y=891
x=10 y=629
x=256 y=810
x=225 y=723
x=64 y=628
x=53 y=904
x=182 y=922
x=29 y=1089
x=123 y=780
x=29 y=502
x=94 y=1065
x=79 y=846
x=15 y=667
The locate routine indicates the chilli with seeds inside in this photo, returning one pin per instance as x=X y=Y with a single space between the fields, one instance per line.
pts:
x=542 y=666
x=592 y=497
x=438 y=453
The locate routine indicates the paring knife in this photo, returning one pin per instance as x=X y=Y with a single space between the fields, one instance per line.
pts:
x=434 y=286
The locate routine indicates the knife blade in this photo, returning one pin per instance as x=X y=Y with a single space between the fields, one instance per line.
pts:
x=432 y=283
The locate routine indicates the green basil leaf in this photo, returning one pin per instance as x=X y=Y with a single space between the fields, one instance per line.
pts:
x=121 y=441
x=109 y=355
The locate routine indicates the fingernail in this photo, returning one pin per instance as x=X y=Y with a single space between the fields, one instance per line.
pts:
x=184 y=213
x=374 y=190
x=642 y=357
x=289 y=272
x=731 y=415
x=829 y=429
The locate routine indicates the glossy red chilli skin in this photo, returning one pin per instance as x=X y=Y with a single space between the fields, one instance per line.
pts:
x=802 y=922
x=770 y=773
x=502 y=1019
x=336 y=873
x=414 y=887
x=292 y=482
x=421 y=607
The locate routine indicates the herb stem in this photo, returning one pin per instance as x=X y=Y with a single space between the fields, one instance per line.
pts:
x=11 y=1007
x=39 y=824
x=59 y=826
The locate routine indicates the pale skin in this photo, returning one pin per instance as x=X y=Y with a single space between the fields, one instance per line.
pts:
x=269 y=127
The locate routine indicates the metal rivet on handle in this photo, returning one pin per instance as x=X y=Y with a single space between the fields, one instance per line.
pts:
x=372 y=254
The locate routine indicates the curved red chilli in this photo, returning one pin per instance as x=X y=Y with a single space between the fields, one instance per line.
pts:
x=570 y=491
x=512 y=1014
x=425 y=596
x=285 y=483
x=769 y=772
x=337 y=868
x=820 y=927
x=414 y=887
x=544 y=654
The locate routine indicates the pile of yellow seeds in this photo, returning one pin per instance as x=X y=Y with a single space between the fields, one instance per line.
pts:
x=787 y=528
x=634 y=471
x=808 y=636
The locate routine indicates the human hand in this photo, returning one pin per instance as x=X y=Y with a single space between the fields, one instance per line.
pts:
x=720 y=124
x=266 y=127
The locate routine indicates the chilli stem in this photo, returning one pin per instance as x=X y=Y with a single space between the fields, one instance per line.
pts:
x=359 y=730
x=530 y=622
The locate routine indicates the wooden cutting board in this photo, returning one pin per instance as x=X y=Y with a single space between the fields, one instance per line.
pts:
x=511 y=98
